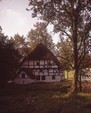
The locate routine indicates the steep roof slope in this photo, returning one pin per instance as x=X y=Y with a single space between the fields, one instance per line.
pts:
x=41 y=52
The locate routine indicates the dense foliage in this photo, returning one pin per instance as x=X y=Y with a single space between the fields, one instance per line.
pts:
x=72 y=19
x=9 y=59
x=40 y=35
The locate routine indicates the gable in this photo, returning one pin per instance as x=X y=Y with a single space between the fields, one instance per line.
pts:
x=41 y=52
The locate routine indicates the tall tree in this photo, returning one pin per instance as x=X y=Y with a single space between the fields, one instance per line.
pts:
x=65 y=53
x=21 y=44
x=9 y=59
x=40 y=35
x=71 y=18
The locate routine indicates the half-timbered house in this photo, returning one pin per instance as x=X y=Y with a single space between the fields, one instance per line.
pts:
x=40 y=66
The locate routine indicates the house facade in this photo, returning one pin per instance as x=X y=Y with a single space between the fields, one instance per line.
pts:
x=40 y=66
x=86 y=77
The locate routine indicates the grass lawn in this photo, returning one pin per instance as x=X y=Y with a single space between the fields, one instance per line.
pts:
x=69 y=75
x=43 y=98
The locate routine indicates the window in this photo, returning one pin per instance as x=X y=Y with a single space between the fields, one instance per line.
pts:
x=49 y=63
x=41 y=70
x=23 y=75
x=38 y=77
x=34 y=77
x=38 y=63
x=43 y=77
x=53 y=77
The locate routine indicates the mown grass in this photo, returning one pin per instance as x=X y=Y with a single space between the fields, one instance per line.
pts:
x=43 y=98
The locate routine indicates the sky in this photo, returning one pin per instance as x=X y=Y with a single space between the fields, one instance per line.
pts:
x=15 y=19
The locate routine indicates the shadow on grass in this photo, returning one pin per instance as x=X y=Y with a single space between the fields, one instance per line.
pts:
x=43 y=98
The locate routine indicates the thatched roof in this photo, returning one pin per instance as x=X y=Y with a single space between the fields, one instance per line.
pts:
x=41 y=52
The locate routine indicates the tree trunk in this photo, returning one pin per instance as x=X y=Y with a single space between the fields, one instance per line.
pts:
x=80 y=84
x=75 y=41
x=75 y=63
x=67 y=74
x=75 y=87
